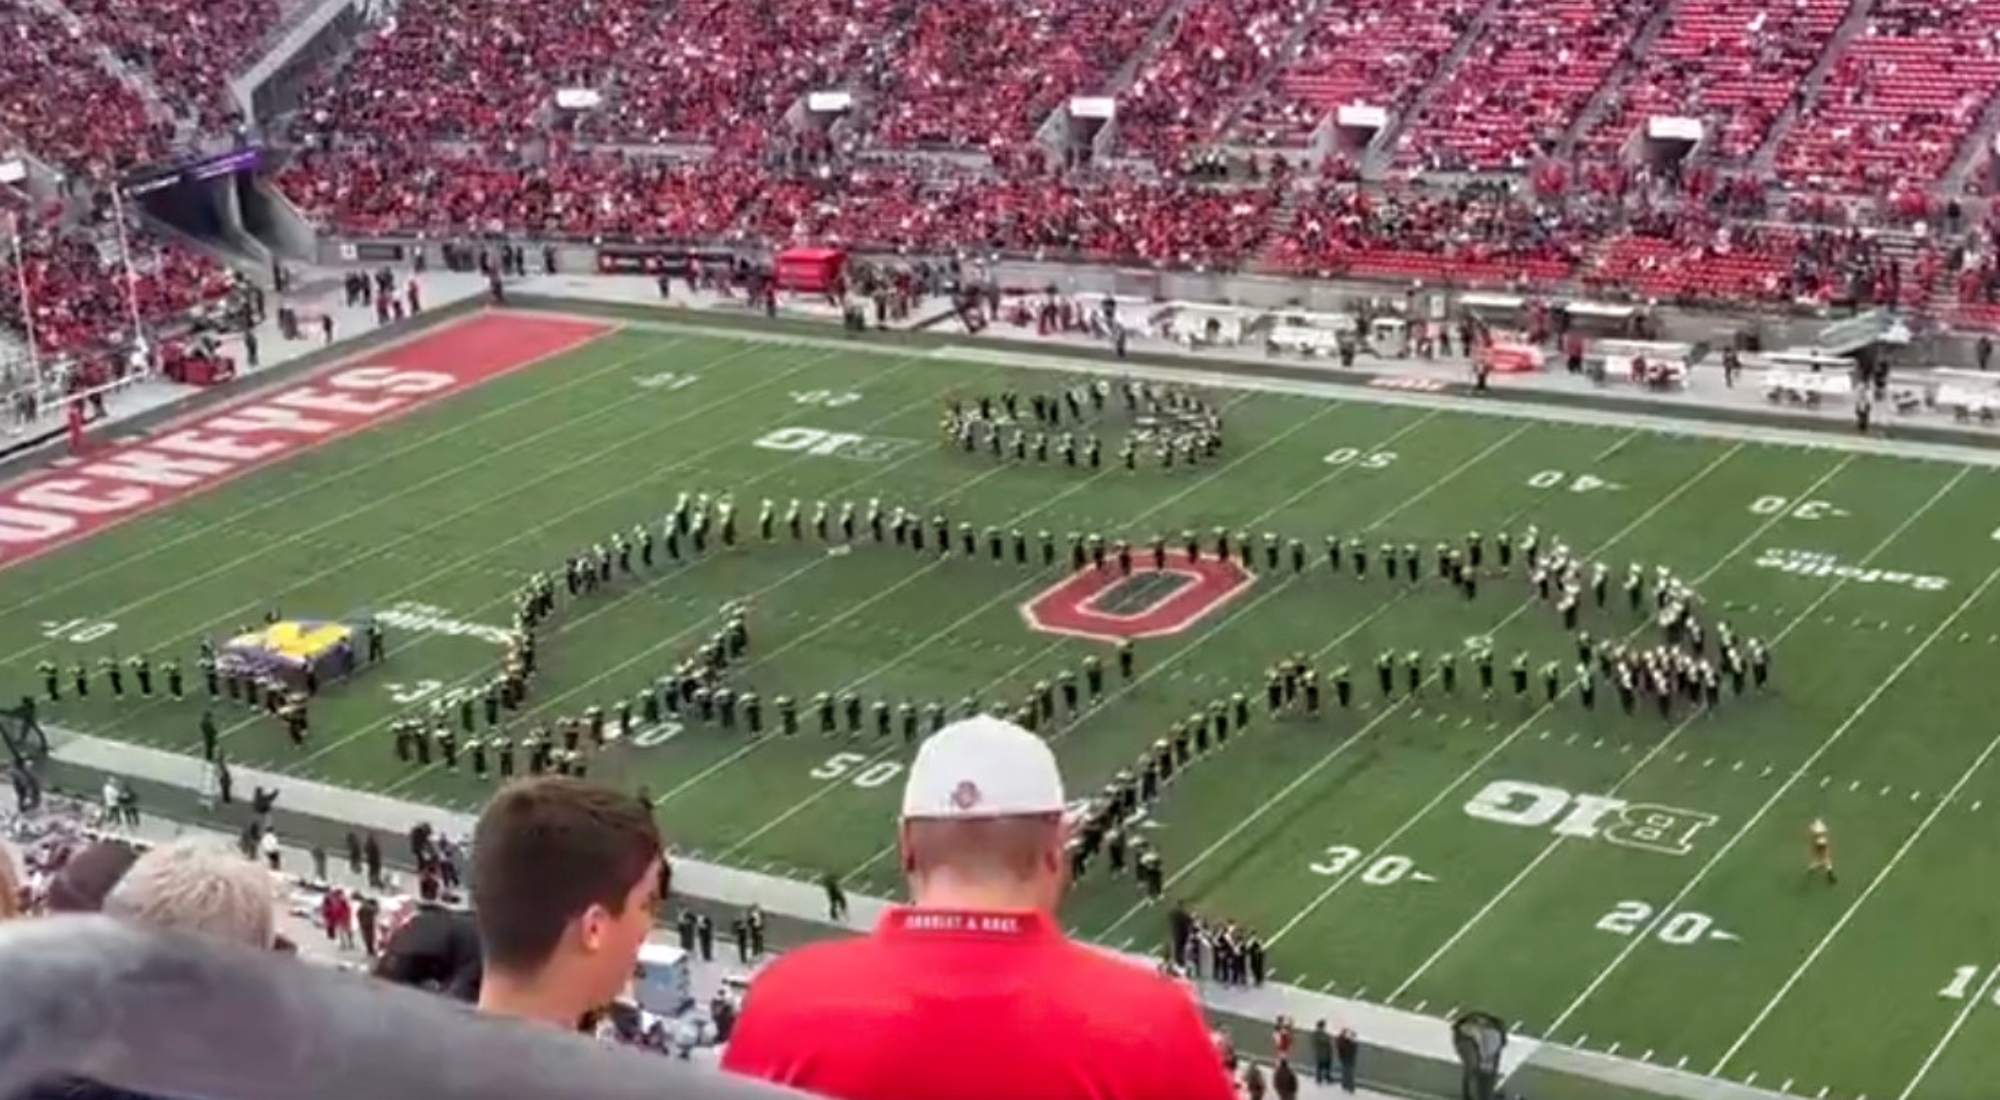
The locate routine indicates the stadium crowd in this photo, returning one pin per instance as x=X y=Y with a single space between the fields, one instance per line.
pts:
x=445 y=122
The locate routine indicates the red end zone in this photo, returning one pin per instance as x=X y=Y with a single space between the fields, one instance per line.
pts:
x=45 y=510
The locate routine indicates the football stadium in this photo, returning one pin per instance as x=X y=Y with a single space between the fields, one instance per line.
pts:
x=1492 y=505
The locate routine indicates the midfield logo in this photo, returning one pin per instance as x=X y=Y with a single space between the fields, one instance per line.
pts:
x=1652 y=827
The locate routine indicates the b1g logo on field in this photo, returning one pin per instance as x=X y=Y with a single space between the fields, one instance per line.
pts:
x=1590 y=816
x=847 y=445
x=1149 y=603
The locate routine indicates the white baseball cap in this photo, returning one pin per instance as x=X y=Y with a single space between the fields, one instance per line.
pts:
x=983 y=767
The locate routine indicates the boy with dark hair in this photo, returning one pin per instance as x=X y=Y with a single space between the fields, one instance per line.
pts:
x=565 y=877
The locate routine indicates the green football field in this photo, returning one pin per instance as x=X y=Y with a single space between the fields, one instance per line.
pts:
x=1620 y=882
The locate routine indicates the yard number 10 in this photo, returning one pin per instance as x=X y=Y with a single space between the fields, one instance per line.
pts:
x=1961 y=985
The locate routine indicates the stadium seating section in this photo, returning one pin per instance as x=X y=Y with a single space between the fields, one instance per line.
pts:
x=1820 y=115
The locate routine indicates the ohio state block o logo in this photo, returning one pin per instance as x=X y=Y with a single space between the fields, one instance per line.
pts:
x=1148 y=603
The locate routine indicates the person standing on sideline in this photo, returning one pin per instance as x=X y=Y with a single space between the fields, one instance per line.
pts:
x=977 y=962
x=1322 y=1047
x=1284 y=1082
x=1346 y=1047
x=565 y=874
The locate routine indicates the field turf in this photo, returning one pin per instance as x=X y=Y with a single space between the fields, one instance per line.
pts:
x=1646 y=894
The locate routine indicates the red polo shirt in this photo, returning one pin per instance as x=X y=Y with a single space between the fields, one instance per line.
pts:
x=947 y=1005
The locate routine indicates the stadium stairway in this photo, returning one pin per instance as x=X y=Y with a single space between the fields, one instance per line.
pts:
x=1382 y=152
x=1851 y=25
x=1972 y=152
x=1602 y=99
x=116 y=66
x=1156 y=38
x=1281 y=59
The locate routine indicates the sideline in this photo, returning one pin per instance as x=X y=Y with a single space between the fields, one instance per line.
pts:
x=1383 y=384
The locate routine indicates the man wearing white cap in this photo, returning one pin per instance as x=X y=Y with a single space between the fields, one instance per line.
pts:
x=977 y=965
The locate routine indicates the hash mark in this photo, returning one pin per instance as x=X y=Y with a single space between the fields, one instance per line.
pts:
x=1821 y=1094
x=1682 y=758
x=1708 y=763
x=1787 y=1086
x=1824 y=780
x=1570 y=740
x=1327 y=987
x=1125 y=943
x=1580 y=1040
x=1360 y=993
x=1597 y=744
x=1544 y=736
x=1682 y=1064
x=1884 y=793
x=1751 y=1079
x=1420 y=1006
x=1646 y=1057
x=1854 y=786
x=1738 y=767
x=1612 y=1049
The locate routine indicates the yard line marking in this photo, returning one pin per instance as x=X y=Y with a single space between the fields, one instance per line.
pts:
x=467 y=563
x=623 y=597
x=1783 y=788
x=823 y=625
x=1233 y=616
x=1305 y=777
x=1854 y=907
x=346 y=517
x=1209 y=478
x=554 y=521
x=1302 y=494
x=1667 y=742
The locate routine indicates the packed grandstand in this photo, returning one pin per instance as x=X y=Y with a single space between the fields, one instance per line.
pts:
x=1710 y=151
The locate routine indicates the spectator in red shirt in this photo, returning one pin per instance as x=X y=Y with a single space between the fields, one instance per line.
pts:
x=977 y=966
